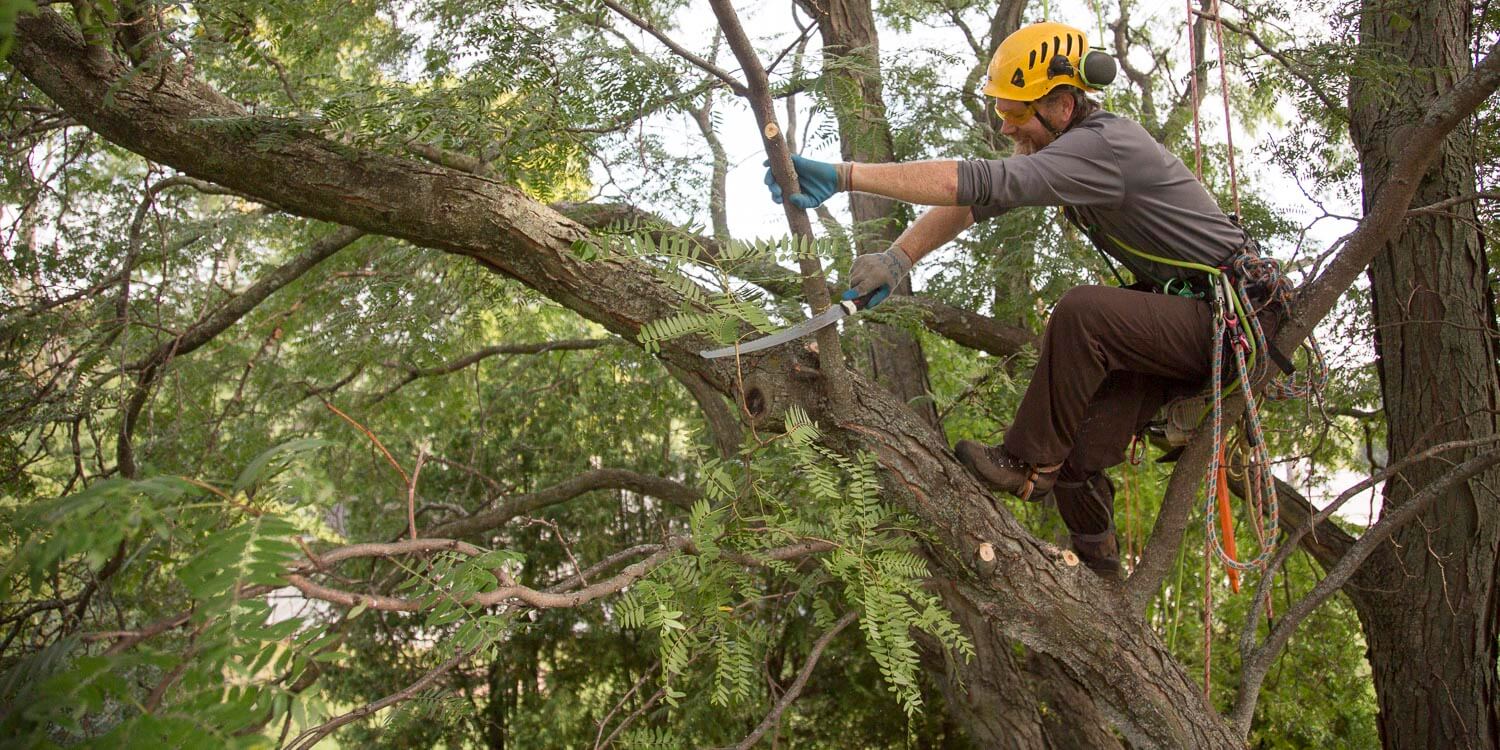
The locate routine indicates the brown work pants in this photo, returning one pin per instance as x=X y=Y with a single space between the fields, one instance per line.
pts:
x=1110 y=359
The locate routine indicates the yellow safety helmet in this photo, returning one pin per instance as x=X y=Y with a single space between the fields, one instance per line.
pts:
x=1038 y=58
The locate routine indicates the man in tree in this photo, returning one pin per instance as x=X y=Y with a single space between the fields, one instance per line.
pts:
x=1110 y=357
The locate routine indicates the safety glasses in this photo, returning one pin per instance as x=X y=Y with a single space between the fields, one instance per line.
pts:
x=1016 y=118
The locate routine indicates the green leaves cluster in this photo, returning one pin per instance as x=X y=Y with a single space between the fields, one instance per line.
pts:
x=697 y=605
x=229 y=655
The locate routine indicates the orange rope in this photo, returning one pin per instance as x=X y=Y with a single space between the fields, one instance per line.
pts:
x=1226 y=524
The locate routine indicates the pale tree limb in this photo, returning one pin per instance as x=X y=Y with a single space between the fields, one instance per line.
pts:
x=502 y=595
x=774 y=717
x=814 y=288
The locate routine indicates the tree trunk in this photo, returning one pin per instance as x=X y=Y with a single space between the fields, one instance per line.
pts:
x=851 y=55
x=1006 y=697
x=1427 y=601
x=998 y=698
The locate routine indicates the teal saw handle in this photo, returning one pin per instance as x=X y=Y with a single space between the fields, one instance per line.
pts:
x=869 y=300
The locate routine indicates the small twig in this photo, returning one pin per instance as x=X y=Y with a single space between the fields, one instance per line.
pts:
x=311 y=737
x=797 y=685
x=1438 y=207
x=734 y=85
x=411 y=494
x=578 y=571
x=405 y=479
x=599 y=738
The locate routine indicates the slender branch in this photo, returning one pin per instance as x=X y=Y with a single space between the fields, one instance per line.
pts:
x=673 y=492
x=1291 y=66
x=650 y=28
x=1255 y=667
x=405 y=478
x=454 y=365
x=1453 y=201
x=312 y=737
x=797 y=685
x=208 y=327
x=502 y=595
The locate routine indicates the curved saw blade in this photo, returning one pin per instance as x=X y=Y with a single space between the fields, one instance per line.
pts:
x=822 y=320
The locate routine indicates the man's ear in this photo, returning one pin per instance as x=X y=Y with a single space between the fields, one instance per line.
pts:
x=1066 y=106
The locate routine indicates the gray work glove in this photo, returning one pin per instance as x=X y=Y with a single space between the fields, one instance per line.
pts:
x=878 y=272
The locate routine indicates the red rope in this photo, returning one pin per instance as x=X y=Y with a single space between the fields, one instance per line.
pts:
x=1234 y=188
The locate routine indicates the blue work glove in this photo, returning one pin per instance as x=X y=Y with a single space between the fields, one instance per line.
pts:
x=819 y=180
x=878 y=273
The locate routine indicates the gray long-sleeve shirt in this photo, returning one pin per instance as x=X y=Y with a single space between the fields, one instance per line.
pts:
x=1117 y=182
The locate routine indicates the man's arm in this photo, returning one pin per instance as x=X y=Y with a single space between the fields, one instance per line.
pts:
x=933 y=229
x=925 y=183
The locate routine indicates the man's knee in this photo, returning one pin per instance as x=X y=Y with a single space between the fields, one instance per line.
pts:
x=1077 y=309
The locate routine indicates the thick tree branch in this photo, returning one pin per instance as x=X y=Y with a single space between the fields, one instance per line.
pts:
x=968 y=328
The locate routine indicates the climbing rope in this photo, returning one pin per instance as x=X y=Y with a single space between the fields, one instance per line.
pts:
x=1229 y=308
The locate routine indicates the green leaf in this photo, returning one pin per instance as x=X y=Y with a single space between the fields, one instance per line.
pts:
x=259 y=467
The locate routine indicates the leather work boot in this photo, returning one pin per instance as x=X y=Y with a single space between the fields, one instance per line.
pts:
x=1100 y=552
x=1001 y=471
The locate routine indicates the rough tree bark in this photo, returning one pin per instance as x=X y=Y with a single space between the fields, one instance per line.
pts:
x=1428 y=602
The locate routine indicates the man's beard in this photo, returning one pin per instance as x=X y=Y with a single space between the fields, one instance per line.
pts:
x=1024 y=146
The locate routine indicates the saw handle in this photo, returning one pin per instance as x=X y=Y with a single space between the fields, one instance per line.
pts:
x=869 y=300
